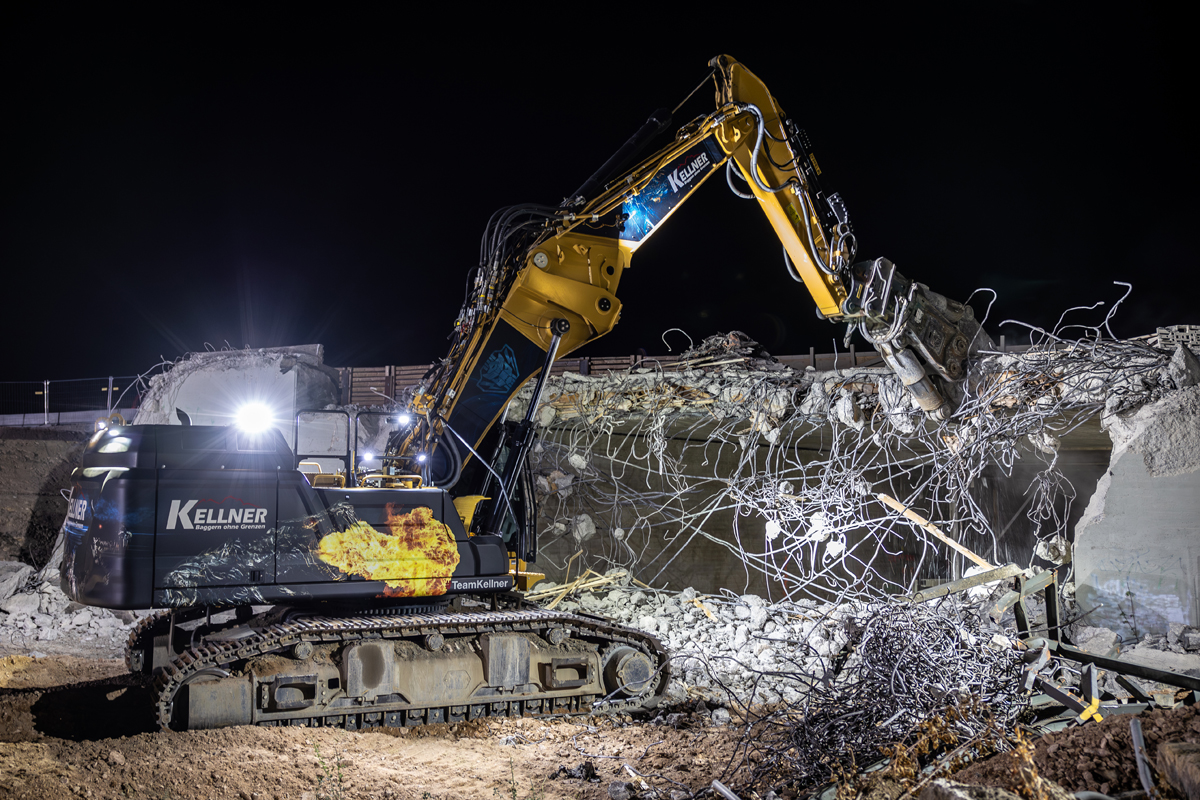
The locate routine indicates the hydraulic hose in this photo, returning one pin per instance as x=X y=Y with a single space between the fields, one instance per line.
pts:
x=791 y=268
x=762 y=129
x=729 y=180
x=807 y=213
x=455 y=465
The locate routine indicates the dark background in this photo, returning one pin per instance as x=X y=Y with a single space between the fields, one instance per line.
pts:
x=272 y=179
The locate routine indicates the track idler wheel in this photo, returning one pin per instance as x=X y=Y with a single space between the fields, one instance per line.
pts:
x=627 y=671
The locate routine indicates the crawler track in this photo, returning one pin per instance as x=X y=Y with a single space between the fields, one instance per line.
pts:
x=217 y=658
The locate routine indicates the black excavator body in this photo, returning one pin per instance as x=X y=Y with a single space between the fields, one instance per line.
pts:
x=286 y=603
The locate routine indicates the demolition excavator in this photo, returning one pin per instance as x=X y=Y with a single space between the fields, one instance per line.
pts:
x=357 y=599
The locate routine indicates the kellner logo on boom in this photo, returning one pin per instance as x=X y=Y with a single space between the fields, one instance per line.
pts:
x=682 y=176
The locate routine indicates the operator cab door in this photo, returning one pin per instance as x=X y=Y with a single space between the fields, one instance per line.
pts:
x=216 y=511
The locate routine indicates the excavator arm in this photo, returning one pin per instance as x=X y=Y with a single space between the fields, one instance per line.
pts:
x=548 y=275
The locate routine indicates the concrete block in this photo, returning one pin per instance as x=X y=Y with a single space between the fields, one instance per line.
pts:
x=1096 y=641
x=21 y=604
x=1184 y=368
x=13 y=576
x=591 y=602
x=620 y=790
x=53 y=601
x=741 y=637
x=758 y=618
x=583 y=528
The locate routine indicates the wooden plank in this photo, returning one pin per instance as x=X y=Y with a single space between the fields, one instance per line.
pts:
x=411 y=374
x=930 y=528
x=619 y=363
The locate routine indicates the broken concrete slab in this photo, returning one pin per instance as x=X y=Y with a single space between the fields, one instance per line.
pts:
x=13 y=577
x=1096 y=641
x=1137 y=546
x=1166 y=433
x=1184 y=368
x=209 y=388
x=21 y=604
x=1183 y=663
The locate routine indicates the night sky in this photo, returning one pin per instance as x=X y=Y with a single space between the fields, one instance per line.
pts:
x=268 y=180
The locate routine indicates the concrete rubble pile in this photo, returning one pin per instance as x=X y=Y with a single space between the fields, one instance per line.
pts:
x=745 y=650
x=35 y=616
x=814 y=684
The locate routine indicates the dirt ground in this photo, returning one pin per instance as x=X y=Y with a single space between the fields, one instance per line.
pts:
x=1095 y=757
x=74 y=727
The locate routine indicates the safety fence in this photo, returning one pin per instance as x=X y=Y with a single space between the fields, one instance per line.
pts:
x=87 y=399
x=66 y=401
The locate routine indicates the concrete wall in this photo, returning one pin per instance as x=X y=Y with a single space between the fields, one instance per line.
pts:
x=1137 y=562
x=661 y=543
x=35 y=463
x=667 y=553
x=1137 y=547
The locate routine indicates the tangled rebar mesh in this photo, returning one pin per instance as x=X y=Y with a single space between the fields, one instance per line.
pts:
x=900 y=666
x=819 y=688
x=634 y=465
x=791 y=472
